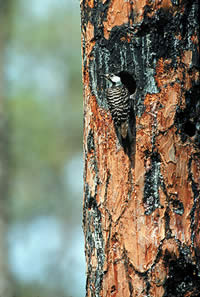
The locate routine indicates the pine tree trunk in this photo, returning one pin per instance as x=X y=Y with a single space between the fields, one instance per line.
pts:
x=142 y=222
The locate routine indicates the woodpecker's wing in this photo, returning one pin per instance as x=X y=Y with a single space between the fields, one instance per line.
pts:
x=119 y=103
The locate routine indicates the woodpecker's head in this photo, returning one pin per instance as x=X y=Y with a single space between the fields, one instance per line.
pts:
x=123 y=78
x=113 y=78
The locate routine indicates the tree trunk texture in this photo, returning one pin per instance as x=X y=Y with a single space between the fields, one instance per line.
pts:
x=142 y=223
x=5 y=279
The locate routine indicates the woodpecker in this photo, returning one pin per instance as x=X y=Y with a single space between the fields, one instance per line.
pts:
x=122 y=111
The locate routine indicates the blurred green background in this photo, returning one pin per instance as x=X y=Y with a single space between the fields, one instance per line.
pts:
x=43 y=103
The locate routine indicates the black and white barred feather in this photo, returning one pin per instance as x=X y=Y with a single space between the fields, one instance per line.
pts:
x=118 y=99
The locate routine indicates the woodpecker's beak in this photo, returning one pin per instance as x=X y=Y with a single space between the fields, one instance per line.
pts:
x=106 y=76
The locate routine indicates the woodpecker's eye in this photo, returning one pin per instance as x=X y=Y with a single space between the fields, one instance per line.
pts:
x=128 y=80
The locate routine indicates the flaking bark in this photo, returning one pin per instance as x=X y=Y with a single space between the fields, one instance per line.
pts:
x=142 y=224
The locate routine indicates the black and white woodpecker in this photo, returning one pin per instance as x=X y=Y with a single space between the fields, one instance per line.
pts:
x=122 y=110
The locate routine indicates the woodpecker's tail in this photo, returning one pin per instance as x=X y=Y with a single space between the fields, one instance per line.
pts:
x=128 y=140
x=129 y=145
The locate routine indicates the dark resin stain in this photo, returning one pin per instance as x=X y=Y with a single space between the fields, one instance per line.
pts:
x=152 y=183
x=188 y=119
x=94 y=241
x=182 y=278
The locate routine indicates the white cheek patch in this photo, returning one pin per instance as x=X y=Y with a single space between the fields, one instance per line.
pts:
x=116 y=79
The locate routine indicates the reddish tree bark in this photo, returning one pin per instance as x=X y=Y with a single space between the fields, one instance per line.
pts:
x=142 y=224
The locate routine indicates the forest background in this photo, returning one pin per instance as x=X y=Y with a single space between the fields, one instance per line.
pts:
x=43 y=106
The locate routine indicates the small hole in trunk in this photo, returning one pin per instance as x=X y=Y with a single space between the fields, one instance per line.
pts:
x=128 y=80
